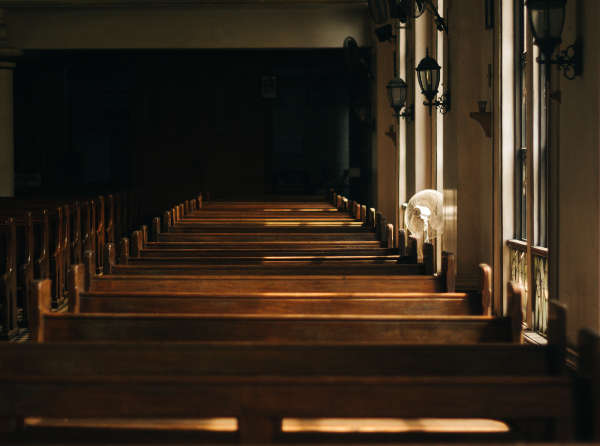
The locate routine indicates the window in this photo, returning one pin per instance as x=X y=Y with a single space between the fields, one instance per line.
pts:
x=528 y=249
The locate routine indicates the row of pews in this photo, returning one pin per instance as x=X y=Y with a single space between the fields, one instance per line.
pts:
x=275 y=313
x=42 y=238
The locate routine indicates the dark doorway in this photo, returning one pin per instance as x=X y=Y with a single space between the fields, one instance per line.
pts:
x=233 y=122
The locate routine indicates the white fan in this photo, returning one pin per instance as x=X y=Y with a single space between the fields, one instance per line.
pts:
x=424 y=214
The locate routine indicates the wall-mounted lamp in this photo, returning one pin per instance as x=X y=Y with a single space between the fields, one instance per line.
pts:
x=547 y=18
x=397 y=93
x=428 y=74
x=404 y=10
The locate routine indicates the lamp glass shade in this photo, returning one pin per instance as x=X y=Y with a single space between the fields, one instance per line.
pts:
x=397 y=92
x=547 y=18
x=428 y=74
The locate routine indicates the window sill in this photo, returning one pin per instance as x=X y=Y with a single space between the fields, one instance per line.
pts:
x=531 y=337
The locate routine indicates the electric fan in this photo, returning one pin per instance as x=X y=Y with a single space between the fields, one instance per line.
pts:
x=424 y=214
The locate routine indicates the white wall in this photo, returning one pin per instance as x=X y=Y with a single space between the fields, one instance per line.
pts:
x=264 y=26
x=386 y=145
x=467 y=151
x=579 y=221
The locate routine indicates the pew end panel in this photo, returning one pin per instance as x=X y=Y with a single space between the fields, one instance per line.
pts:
x=77 y=286
x=401 y=242
x=363 y=214
x=42 y=295
x=485 y=285
x=144 y=230
x=137 y=243
x=27 y=270
x=124 y=251
x=155 y=229
x=429 y=258
x=110 y=218
x=557 y=334
x=43 y=261
x=89 y=259
x=389 y=237
x=8 y=279
x=77 y=244
x=449 y=271
x=411 y=249
x=588 y=387
x=110 y=257
x=515 y=311
x=100 y=234
x=167 y=221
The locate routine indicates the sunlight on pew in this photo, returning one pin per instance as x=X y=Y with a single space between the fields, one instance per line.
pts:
x=300 y=210
x=201 y=424
x=288 y=425
x=312 y=223
x=317 y=258
x=393 y=425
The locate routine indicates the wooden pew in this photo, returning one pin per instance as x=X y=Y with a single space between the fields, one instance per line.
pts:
x=261 y=385
x=264 y=283
x=272 y=227
x=41 y=234
x=285 y=251
x=588 y=387
x=8 y=280
x=441 y=304
x=171 y=237
x=170 y=266
x=291 y=327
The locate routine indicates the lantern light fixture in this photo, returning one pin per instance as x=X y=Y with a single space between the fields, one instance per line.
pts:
x=397 y=94
x=547 y=18
x=428 y=75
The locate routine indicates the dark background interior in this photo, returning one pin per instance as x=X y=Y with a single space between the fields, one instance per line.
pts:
x=176 y=123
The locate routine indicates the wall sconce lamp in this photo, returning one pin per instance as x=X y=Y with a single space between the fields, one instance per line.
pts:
x=547 y=18
x=397 y=93
x=428 y=74
x=404 y=10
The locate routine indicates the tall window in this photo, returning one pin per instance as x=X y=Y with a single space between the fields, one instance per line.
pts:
x=521 y=123
x=528 y=249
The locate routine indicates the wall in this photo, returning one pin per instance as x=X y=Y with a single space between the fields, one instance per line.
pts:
x=234 y=26
x=79 y=25
x=579 y=206
x=176 y=123
x=386 y=134
x=467 y=151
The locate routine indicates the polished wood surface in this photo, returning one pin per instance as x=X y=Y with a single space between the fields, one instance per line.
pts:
x=272 y=312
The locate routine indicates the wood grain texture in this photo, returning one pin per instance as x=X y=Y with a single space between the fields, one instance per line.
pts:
x=311 y=304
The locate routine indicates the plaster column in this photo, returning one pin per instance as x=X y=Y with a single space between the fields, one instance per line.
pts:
x=7 y=150
x=423 y=118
